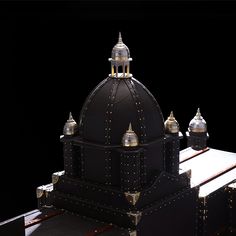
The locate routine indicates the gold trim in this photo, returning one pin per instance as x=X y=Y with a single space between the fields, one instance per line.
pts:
x=112 y=70
x=56 y=176
x=135 y=217
x=127 y=68
x=132 y=198
x=39 y=192
x=133 y=233
x=44 y=190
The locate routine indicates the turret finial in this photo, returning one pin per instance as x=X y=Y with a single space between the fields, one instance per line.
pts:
x=120 y=38
x=70 y=127
x=197 y=132
x=70 y=116
x=130 y=139
x=198 y=114
x=198 y=124
x=171 y=124
x=130 y=127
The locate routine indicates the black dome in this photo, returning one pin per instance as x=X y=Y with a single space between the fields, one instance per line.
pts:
x=112 y=105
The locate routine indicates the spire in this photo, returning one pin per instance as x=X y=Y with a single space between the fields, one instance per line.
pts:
x=70 y=116
x=198 y=114
x=120 y=38
x=171 y=117
x=130 y=127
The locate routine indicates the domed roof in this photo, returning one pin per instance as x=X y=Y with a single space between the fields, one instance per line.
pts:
x=120 y=51
x=198 y=124
x=113 y=105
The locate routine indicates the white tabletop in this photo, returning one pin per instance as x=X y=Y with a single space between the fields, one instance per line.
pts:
x=208 y=165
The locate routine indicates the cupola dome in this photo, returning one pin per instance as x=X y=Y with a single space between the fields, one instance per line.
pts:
x=120 y=60
x=120 y=51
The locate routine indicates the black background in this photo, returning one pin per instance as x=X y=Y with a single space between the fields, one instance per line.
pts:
x=55 y=53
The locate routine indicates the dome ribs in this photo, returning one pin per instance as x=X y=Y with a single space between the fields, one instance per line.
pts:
x=140 y=109
x=154 y=101
x=83 y=117
x=109 y=110
x=108 y=121
x=113 y=105
x=86 y=104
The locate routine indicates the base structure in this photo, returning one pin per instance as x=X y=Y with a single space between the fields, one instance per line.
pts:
x=199 y=201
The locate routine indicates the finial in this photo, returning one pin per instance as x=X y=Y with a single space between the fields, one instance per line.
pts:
x=70 y=116
x=171 y=124
x=130 y=139
x=198 y=114
x=120 y=38
x=198 y=124
x=70 y=127
x=130 y=127
x=171 y=115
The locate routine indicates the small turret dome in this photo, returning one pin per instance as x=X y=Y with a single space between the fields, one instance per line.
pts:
x=171 y=124
x=70 y=127
x=130 y=138
x=198 y=124
x=120 y=51
x=120 y=60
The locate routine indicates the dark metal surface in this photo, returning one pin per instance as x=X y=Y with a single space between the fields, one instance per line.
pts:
x=13 y=227
x=67 y=224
